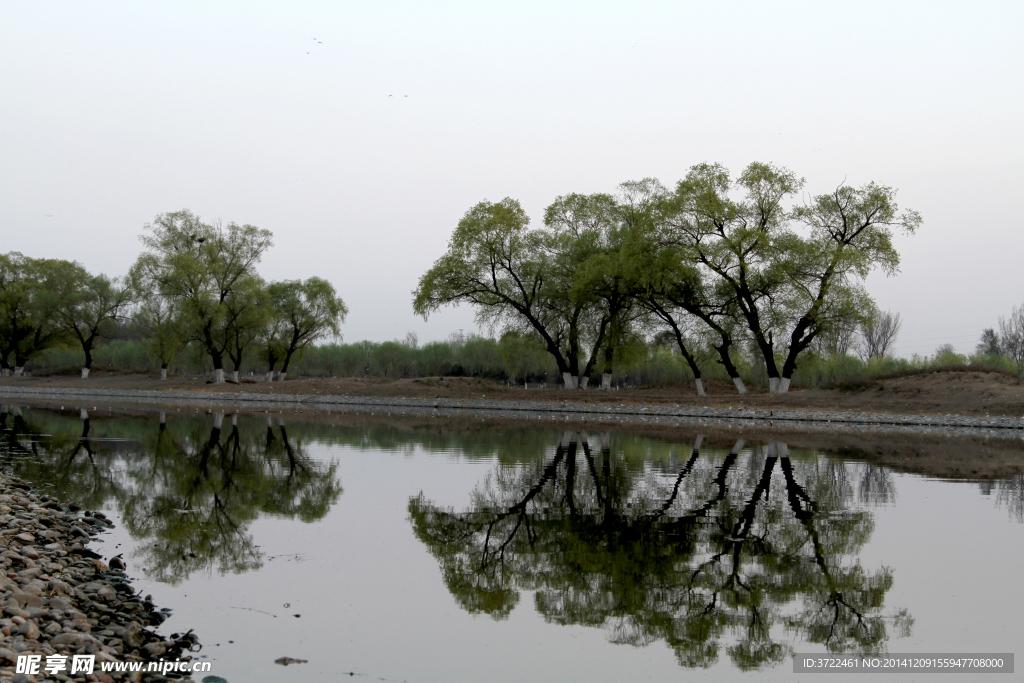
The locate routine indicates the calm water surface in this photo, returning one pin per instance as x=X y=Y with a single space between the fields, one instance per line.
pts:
x=454 y=552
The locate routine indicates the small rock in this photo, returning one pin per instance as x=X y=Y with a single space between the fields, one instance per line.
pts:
x=74 y=640
x=133 y=634
x=285 y=661
x=31 y=573
x=29 y=630
x=26 y=599
x=26 y=538
x=59 y=603
x=155 y=649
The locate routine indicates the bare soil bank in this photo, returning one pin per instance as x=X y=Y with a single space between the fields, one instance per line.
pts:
x=939 y=393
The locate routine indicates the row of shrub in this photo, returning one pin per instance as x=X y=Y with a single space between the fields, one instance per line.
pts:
x=513 y=359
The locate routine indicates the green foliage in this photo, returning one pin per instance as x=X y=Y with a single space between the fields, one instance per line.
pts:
x=708 y=553
x=204 y=269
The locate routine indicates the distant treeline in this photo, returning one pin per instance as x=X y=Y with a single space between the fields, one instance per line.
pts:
x=509 y=359
x=717 y=278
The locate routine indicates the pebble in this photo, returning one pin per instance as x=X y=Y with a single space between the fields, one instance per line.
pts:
x=57 y=596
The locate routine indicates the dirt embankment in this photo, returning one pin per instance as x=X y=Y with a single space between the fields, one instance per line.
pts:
x=938 y=393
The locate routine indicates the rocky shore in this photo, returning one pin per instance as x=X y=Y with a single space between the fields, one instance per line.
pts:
x=59 y=598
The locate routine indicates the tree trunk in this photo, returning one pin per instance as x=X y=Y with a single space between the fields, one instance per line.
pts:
x=218 y=420
x=609 y=365
x=234 y=376
x=270 y=375
x=773 y=385
x=584 y=381
x=163 y=417
x=18 y=370
x=700 y=386
x=783 y=385
x=730 y=368
x=85 y=373
x=568 y=380
x=163 y=373
x=281 y=375
x=218 y=376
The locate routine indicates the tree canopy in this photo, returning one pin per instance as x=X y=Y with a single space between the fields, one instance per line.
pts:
x=720 y=264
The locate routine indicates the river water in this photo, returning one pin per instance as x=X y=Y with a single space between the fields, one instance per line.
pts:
x=425 y=551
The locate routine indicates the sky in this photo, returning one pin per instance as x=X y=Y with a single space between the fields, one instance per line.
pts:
x=360 y=133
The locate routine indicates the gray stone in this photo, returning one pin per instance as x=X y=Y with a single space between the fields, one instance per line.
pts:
x=26 y=599
x=59 y=603
x=73 y=640
x=29 y=629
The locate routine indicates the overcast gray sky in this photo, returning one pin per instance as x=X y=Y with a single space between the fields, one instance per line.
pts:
x=359 y=133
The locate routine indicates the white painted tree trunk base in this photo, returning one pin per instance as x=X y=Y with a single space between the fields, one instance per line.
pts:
x=584 y=381
x=163 y=373
x=85 y=373
x=741 y=388
x=783 y=385
x=5 y=372
x=234 y=419
x=163 y=417
x=281 y=376
x=697 y=443
x=737 y=447
x=218 y=420
x=234 y=375
x=773 y=385
x=606 y=381
x=83 y=414
x=700 y=386
x=570 y=381
x=19 y=370
x=218 y=376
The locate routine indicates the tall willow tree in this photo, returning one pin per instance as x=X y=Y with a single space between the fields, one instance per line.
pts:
x=200 y=266
x=87 y=306
x=28 y=306
x=501 y=268
x=790 y=273
x=302 y=313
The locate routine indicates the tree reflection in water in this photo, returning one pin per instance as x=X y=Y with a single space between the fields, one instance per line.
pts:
x=734 y=552
x=187 y=491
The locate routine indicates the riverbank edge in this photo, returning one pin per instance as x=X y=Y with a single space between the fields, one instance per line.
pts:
x=59 y=597
x=600 y=412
